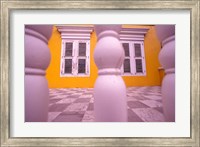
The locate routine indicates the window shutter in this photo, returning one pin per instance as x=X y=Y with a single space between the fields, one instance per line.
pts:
x=62 y=67
x=62 y=57
x=87 y=58
x=68 y=49
x=138 y=52
x=74 y=48
x=127 y=68
x=68 y=65
x=139 y=67
x=143 y=58
x=139 y=58
x=74 y=58
x=126 y=49
x=81 y=65
x=82 y=49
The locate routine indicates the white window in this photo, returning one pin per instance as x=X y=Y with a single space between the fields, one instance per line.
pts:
x=134 y=62
x=75 y=60
x=75 y=50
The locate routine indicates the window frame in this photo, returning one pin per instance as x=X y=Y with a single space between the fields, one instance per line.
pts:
x=75 y=57
x=133 y=59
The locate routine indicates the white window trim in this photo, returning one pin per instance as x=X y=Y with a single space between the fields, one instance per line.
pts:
x=75 y=33
x=134 y=35
x=75 y=57
x=132 y=59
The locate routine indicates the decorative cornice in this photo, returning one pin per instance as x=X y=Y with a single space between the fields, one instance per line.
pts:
x=133 y=34
x=84 y=32
x=75 y=32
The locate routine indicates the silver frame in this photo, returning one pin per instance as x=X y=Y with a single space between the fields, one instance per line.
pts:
x=7 y=6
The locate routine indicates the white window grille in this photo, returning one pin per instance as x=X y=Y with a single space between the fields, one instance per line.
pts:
x=75 y=60
x=134 y=61
x=132 y=40
x=75 y=50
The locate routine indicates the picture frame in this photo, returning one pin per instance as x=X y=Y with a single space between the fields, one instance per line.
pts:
x=8 y=6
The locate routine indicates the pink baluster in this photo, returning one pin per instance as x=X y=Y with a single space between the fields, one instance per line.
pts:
x=37 y=59
x=166 y=35
x=109 y=90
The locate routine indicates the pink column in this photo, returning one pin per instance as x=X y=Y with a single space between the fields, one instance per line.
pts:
x=109 y=90
x=37 y=59
x=166 y=34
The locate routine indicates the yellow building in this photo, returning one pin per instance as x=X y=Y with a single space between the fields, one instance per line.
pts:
x=72 y=63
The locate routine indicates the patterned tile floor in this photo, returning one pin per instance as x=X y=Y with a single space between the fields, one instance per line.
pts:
x=144 y=104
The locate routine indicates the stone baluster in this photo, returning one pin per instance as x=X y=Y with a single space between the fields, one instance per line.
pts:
x=37 y=59
x=166 y=35
x=109 y=90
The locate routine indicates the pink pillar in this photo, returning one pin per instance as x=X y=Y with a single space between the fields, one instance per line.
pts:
x=109 y=90
x=166 y=34
x=37 y=59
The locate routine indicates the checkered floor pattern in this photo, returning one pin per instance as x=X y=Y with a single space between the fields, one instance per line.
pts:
x=144 y=104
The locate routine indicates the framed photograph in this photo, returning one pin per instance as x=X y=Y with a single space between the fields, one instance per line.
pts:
x=20 y=23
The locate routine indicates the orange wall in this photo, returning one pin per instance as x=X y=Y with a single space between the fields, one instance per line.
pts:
x=152 y=78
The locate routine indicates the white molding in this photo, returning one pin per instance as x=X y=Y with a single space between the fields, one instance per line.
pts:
x=135 y=30
x=74 y=76
x=74 y=32
x=133 y=34
x=76 y=37
x=131 y=39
